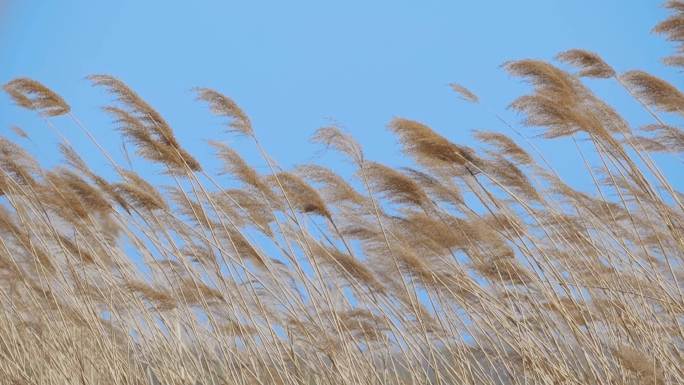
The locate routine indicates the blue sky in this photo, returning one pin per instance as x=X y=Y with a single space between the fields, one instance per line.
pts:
x=297 y=65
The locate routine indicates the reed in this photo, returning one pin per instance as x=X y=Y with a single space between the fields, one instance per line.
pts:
x=473 y=266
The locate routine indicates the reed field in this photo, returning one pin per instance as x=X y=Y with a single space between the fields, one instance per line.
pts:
x=475 y=265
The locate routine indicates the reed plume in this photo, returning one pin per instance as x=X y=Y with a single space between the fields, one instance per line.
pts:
x=655 y=91
x=145 y=127
x=673 y=29
x=222 y=105
x=32 y=95
x=590 y=64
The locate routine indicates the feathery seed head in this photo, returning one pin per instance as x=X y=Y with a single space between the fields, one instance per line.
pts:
x=35 y=96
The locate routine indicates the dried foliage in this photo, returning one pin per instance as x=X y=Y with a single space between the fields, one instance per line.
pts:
x=655 y=91
x=145 y=127
x=471 y=266
x=673 y=29
x=222 y=105
x=589 y=63
x=32 y=95
x=464 y=93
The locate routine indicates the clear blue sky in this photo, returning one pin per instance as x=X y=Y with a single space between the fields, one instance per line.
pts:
x=294 y=65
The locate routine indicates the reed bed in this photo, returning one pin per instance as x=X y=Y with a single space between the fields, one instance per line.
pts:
x=473 y=266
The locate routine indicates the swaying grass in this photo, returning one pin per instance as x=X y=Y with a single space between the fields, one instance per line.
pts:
x=476 y=266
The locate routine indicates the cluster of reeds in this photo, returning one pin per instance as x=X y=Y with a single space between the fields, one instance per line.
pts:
x=475 y=266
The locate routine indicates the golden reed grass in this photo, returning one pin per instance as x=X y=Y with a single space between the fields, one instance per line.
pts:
x=474 y=266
